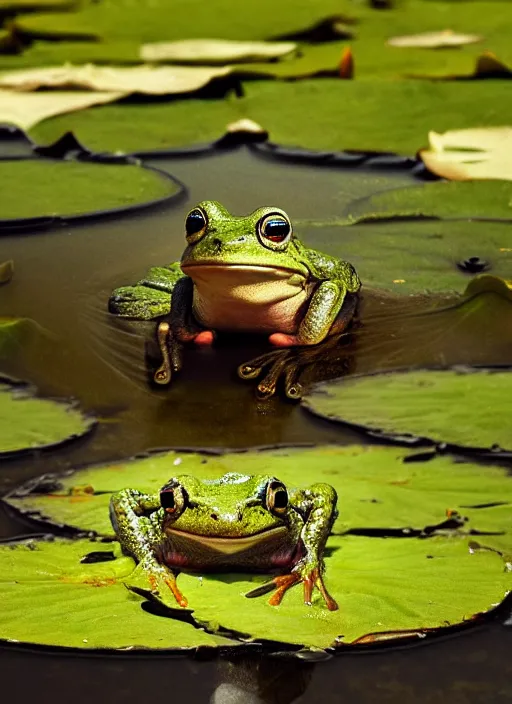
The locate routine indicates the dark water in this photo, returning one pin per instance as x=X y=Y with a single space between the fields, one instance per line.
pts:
x=63 y=279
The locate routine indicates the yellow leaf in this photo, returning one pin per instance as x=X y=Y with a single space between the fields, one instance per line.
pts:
x=214 y=51
x=27 y=109
x=153 y=80
x=476 y=153
x=434 y=40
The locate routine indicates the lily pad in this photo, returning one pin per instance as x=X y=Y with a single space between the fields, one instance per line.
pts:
x=459 y=155
x=377 y=489
x=460 y=408
x=393 y=584
x=31 y=423
x=330 y=114
x=70 y=188
x=50 y=597
x=471 y=199
x=414 y=256
x=6 y=271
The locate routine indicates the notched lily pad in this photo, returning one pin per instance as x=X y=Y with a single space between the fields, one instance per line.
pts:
x=392 y=585
x=30 y=423
x=464 y=407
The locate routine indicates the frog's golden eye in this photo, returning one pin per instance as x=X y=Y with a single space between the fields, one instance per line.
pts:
x=277 y=497
x=275 y=230
x=195 y=225
x=172 y=498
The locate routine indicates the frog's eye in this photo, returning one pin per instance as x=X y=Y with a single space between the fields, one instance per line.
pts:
x=277 y=497
x=275 y=230
x=172 y=498
x=195 y=225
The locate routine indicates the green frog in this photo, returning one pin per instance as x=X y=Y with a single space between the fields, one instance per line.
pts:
x=235 y=523
x=241 y=274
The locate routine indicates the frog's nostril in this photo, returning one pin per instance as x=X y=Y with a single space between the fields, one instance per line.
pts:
x=214 y=516
x=217 y=243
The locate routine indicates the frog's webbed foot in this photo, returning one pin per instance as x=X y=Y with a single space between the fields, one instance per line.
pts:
x=171 y=346
x=160 y=580
x=281 y=365
x=311 y=577
x=139 y=302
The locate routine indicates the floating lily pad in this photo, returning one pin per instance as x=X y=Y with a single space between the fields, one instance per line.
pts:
x=70 y=188
x=6 y=271
x=330 y=114
x=460 y=408
x=393 y=584
x=29 y=423
x=482 y=199
x=50 y=597
x=377 y=489
x=414 y=256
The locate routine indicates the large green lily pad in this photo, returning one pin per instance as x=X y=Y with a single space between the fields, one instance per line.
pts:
x=414 y=256
x=392 y=584
x=455 y=199
x=472 y=409
x=327 y=114
x=29 y=423
x=377 y=488
x=74 y=188
x=49 y=597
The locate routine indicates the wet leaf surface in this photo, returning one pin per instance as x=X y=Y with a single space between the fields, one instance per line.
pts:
x=468 y=408
x=72 y=188
x=29 y=423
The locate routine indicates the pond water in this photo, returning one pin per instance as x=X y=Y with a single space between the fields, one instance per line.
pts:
x=62 y=280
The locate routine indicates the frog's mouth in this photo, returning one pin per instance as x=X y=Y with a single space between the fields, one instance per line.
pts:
x=209 y=267
x=231 y=545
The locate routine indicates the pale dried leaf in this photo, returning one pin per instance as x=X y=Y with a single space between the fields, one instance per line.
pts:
x=477 y=153
x=434 y=40
x=27 y=109
x=214 y=51
x=245 y=125
x=153 y=80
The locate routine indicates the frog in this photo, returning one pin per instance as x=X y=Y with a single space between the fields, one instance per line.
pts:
x=241 y=274
x=237 y=522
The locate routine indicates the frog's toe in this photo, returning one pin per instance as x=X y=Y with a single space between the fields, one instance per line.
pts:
x=280 y=339
x=204 y=338
x=314 y=579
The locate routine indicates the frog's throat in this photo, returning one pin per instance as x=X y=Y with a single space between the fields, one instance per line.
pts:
x=231 y=546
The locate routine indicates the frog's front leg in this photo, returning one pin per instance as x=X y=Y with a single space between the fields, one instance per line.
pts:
x=323 y=309
x=136 y=519
x=150 y=298
x=318 y=505
x=181 y=327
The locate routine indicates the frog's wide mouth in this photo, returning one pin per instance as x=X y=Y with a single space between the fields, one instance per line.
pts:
x=231 y=544
x=278 y=272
